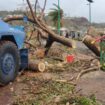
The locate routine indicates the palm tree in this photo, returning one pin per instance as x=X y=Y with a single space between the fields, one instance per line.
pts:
x=54 y=15
x=90 y=1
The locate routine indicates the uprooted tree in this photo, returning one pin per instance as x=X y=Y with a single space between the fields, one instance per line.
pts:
x=41 y=24
x=50 y=36
x=41 y=27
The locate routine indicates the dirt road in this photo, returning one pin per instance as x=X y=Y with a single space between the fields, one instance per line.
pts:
x=6 y=95
x=92 y=83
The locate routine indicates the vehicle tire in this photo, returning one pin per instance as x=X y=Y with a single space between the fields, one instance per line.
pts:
x=9 y=62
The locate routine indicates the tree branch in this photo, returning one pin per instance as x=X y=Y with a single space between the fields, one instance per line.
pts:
x=42 y=13
x=35 y=6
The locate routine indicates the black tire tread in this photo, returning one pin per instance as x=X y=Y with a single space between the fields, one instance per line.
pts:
x=2 y=43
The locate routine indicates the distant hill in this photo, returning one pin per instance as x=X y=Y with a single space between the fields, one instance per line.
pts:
x=99 y=25
x=6 y=13
x=72 y=23
x=76 y=22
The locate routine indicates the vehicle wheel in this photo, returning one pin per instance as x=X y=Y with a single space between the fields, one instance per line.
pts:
x=9 y=62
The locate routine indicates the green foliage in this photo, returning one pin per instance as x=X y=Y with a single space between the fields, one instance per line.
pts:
x=87 y=100
x=84 y=101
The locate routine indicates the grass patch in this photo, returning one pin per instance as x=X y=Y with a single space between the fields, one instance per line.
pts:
x=41 y=92
x=48 y=93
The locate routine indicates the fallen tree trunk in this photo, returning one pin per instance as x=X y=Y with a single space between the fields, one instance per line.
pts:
x=16 y=18
x=54 y=36
x=94 y=47
x=41 y=24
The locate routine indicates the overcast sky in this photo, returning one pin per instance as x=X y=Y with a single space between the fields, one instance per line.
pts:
x=70 y=7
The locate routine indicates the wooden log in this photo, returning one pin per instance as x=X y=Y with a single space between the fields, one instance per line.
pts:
x=94 y=47
x=36 y=66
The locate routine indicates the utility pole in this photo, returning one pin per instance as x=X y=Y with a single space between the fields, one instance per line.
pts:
x=59 y=17
x=90 y=14
x=90 y=20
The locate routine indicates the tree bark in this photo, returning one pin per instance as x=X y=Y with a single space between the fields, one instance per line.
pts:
x=94 y=47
